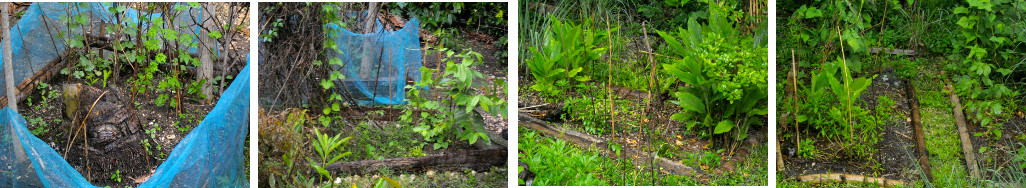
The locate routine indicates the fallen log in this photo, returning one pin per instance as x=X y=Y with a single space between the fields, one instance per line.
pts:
x=478 y=160
x=849 y=178
x=588 y=141
x=963 y=133
x=893 y=51
x=917 y=126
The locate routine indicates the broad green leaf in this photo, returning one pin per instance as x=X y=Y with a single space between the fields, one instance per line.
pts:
x=723 y=126
x=682 y=117
x=692 y=103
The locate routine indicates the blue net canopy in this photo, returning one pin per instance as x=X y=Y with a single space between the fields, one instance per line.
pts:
x=376 y=65
x=41 y=35
x=211 y=155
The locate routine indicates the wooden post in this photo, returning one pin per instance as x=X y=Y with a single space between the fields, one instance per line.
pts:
x=206 y=68
x=8 y=60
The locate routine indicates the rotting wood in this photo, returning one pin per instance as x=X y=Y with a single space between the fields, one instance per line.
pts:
x=588 y=141
x=479 y=160
x=849 y=178
x=963 y=133
x=894 y=51
x=917 y=125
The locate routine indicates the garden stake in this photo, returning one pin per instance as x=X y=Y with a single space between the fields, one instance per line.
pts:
x=648 y=104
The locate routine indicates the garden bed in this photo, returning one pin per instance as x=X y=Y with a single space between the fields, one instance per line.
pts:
x=44 y=97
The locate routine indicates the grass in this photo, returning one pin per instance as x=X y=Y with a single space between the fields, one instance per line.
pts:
x=945 y=147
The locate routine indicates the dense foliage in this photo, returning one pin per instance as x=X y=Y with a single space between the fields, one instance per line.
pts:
x=725 y=70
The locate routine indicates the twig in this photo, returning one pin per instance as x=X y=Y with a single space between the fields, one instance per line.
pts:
x=794 y=98
x=609 y=84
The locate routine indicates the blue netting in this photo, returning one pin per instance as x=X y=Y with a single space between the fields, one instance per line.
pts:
x=211 y=155
x=376 y=65
x=40 y=36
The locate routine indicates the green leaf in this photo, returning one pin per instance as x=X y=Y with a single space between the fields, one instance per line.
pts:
x=961 y=10
x=723 y=126
x=682 y=117
x=813 y=12
x=690 y=102
x=215 y=34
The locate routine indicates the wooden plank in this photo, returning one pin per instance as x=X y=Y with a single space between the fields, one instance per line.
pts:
x=963 y=134
x=475 y=159
x=849 y=178
x=917 y=126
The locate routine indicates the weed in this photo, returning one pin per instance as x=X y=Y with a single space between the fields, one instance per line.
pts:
x=116 y=176
x=326 y=148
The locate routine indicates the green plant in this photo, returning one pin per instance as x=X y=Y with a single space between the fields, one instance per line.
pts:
x=808 y=149
x=41 y=126
x=151 y=135
x=456 y=111
x=569 y=49
x=724 y=71
x=987 y=39
x=326 y=148
x=116 y=176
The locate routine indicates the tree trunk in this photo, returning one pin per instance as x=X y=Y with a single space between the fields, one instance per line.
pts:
x=206 y=68
x=366 y=63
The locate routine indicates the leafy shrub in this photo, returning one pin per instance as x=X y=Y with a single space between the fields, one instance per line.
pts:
x=984 y=36
x=725 y=73
x=569 y=48
x=457 y=110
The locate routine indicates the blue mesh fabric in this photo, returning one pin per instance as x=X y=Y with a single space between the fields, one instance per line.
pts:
x=376 y=65
x=211 y=155
x=36 y=39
